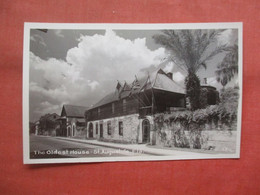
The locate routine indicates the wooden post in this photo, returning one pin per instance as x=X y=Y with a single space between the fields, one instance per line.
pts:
x=152 y=102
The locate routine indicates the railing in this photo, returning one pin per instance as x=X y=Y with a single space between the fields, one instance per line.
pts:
x=143 y=111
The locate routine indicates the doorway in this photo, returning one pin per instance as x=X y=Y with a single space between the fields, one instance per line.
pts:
x=90 y=130
x=69 y=132
x=146 y=131
x=101 y=130
x=73 y=130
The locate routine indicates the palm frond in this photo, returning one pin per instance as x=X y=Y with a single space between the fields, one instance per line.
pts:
x=218 y=50
x=187 y=48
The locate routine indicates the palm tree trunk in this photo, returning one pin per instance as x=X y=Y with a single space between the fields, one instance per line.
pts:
x=192 y=83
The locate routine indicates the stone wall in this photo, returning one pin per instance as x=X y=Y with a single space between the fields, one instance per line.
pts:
x=212 y=136
x=79 y=132
x=130 y=129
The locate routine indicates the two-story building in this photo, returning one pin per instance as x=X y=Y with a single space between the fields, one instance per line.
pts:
x=72 y=120
x=126 y=114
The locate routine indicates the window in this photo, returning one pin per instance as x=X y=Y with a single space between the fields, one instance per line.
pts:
x=113 y=108
x=124 y=105
x=109 y=128
x=73 y=130
x=101 y=130
x=96 y=128
x=120 y=128
x=99 y=111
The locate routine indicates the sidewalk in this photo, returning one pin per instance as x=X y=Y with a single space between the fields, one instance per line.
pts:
x=143 y=148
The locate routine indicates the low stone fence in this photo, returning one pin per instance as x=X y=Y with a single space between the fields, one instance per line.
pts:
x=221 y=140
x=174 y=134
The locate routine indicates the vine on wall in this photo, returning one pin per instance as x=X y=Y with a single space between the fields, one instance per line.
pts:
x=222 y=115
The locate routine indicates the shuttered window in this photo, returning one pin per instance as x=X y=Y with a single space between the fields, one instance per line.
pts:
x=120 y=128
x=109 y=128
x=96 y=128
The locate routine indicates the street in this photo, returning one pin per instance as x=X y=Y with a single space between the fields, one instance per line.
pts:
x=52 y=147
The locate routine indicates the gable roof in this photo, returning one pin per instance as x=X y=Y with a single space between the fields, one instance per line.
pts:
x=163 y=82
x=73 y=111
x=155 y=80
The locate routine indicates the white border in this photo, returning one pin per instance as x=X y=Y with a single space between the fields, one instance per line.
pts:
x=104 y=26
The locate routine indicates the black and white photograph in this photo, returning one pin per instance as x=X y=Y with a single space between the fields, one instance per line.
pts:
x=131 y=92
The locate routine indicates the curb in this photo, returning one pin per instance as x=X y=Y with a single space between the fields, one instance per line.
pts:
x=104 y=145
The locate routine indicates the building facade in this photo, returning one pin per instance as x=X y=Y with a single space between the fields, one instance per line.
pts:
x=126 y=114
x=72 y=121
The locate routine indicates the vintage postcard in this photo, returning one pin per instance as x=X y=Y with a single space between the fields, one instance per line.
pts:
x=131 y=92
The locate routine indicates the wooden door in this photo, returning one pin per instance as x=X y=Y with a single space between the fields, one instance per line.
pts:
x=146 y=131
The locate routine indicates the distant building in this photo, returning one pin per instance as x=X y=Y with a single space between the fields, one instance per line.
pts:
x=126 y=114
x=37 y=127
x=72 y=120
x=208 y=94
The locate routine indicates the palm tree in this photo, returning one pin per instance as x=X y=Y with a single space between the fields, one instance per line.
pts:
x=227 y=69
x=190 y=50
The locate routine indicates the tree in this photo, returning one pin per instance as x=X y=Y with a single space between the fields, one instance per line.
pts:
x=192 y=83
x=227 y=69
x=190 y=50
x=48 y=123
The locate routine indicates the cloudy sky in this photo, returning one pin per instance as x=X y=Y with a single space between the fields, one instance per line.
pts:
x=80 y=67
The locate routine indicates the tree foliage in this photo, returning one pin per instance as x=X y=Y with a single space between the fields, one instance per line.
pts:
x=225 y=112
x=227 y=69
x=47 y=123
x=190 y=50
x=195 y=121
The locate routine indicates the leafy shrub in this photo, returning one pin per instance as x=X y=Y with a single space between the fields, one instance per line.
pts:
x=194 y=121
x=180 y=139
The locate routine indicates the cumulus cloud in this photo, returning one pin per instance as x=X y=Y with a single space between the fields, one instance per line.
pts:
x=59 y=33
x=46 y=107
x=177 y=76
x=39 y=39
x=90 y=71
x=169 y=67
x=110 y=56
x=93 y=84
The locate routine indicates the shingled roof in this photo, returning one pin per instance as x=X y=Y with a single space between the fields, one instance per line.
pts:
x=73 y=111
x=156 y=80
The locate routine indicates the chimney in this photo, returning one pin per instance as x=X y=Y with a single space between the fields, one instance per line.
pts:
x=205 y=81
x=169 y=74
x=118 y=86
